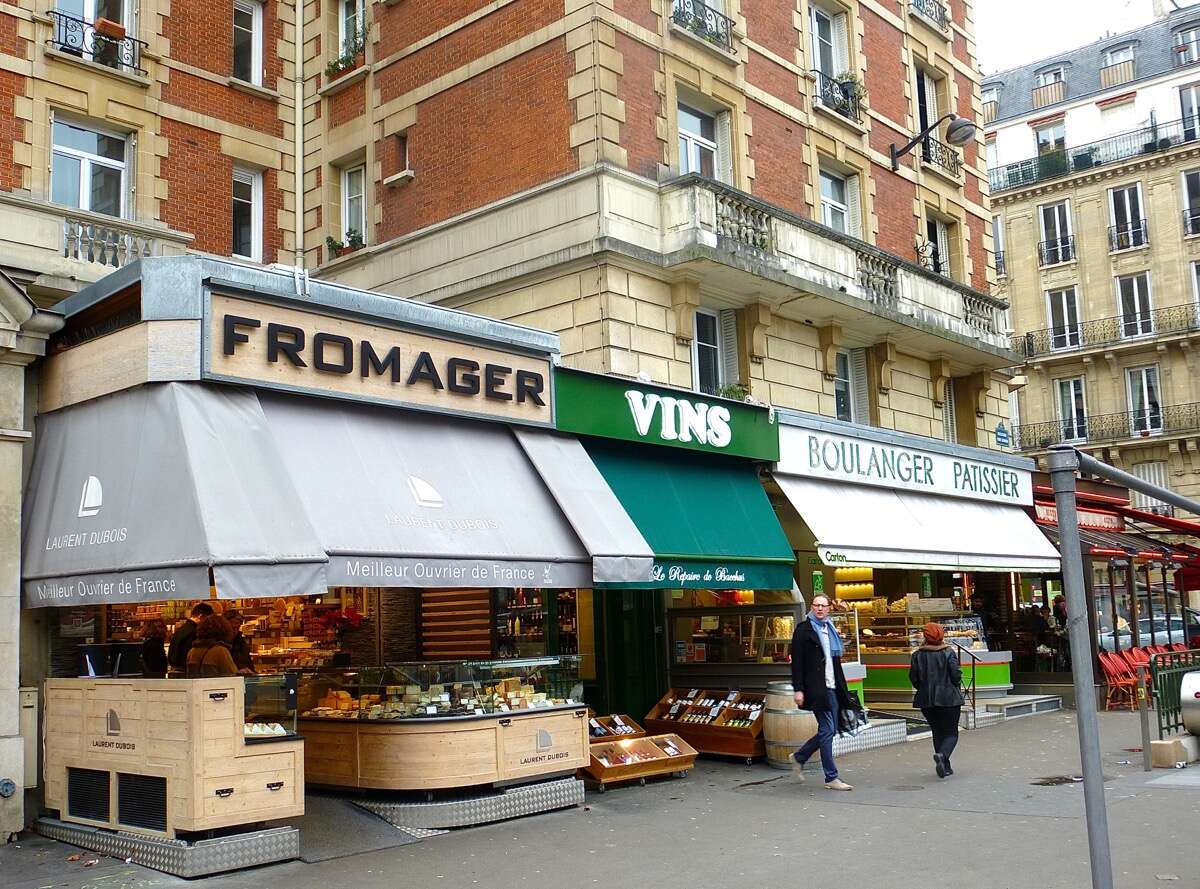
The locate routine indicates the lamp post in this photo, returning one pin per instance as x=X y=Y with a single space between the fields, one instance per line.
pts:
x=960 y=131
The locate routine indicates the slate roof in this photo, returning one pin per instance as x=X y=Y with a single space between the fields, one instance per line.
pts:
x=1154 y=55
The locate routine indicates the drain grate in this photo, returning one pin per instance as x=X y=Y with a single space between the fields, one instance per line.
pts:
x=1058 y=780
x=907 y=787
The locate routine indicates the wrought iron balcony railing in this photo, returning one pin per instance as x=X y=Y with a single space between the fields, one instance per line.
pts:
x=1001 y=265
x=79 y=37
x=840 y=96
x=106 y=244
x=705 y=22
x=941 y=156
x=932 y=11
x=1056 y=250
x=1107 y=331
x=1106 y=428
x=1191 y=221
x=1128 y=236
x=1187 y=53
x=1065 y=161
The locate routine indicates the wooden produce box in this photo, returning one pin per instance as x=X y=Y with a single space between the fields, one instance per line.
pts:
x=636 y=759
x=161 y=756
x=715 y=720
x=445 y=752
x=614 y=727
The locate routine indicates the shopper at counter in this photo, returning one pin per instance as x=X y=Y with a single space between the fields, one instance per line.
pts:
x=184 y=636
x=209 y=655
x=820 y=686
x=239 y=645
x=154 y=650
x=937 y=676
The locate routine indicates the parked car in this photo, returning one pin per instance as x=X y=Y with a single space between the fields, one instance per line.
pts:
x=1160 y=635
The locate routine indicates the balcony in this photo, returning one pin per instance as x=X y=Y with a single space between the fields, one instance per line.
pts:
x=1063 y=162
x=1153 y=421
x=112 y=48
x=1187 y=53
x=1056 y=251
x=1117 y=74
x=941 y=157
x=1049 y=93
x=1128 y=236
x=1001 y=265
x=933 y=12
x=839 y=96
x=1108 y=331
x=704 y=22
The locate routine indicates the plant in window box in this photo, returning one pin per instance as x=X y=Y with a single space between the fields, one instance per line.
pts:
x=736 y=391
x=354 y=241
x=852 y=88
x=353 y=55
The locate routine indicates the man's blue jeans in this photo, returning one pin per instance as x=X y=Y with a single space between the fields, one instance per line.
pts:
x=827 y=721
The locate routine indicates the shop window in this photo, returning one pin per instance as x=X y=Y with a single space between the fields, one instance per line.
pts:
x=840 y=208
x=247 y=214
x=851 y=401
x=88 y=168
x=1133 y=299
x=1154 y=472
x=705 y=143
x=714 y=351
x=247 y=41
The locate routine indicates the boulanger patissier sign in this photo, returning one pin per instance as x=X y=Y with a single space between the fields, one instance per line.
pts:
x=817 y=454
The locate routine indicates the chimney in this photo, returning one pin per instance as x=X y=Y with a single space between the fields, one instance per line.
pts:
x=1160 y=9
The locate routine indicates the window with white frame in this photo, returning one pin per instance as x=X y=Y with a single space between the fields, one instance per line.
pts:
x=1189 y=110
x=88 y=168
x=1118 y=54
x=247 y=214
x=1051 y=137
x=1153 y=472
x=1057 y=245
x=998 y=246
x=1191 y=202
x=71 y=39
x=350 y=26
x=937 y=246
x=714 y=351
x=1050 y=75
x=1196 y=283
x=354 y=220
x=840 y=202
x=1125 y=214
x=1145 y=405
x=1187 y=46
x=949 y=414
x=830 y=42
x=705 y=142
x=1133 y=302
x=850 y=392
x=247 y=41
x=990 y=154
x=927 y=107
x=1062 y=308
x=990 y=94
x=1072 y=409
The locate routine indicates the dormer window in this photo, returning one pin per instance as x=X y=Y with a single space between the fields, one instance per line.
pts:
x=1051 y=75
x=991 y=94
x=1118 y=54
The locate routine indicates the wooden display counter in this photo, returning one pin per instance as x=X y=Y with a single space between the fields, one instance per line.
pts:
x=636 y=759
x=438 y=753
x=712 y=720
x=163 y=756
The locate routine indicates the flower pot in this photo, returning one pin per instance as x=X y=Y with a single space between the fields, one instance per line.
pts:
x=110 y=29
x=342 y=251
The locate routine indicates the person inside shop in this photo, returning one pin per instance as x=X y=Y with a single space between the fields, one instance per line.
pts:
x=820 y=686
x=986 y=617
x=239 y=645
x=209 y=655
x=937 y=677
x=184 y=636
x=154 y=650
x=1060 y=610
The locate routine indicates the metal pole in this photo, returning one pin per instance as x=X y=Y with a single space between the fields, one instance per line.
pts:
x=1064 y=462
x=1144 y=716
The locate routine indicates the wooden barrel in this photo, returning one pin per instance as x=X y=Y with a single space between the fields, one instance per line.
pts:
x=785 y=726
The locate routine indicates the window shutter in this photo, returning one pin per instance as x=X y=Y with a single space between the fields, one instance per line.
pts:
x=815 y=47
x=931 y=102
x=949 y=415
x=131 y=146
x=860 y=393
x=725 y=147
x=841 y=45
x=943 y=248
x=731 y=371
x=853 y=207
x=1156 y=474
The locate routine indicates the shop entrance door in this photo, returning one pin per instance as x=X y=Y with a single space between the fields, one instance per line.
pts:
x=631 y=660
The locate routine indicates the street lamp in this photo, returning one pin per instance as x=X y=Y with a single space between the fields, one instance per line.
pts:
x=960 y=132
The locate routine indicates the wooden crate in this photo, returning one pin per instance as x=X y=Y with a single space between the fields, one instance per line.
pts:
x=187 y=733
x=702 y=717
x=636 y=759
x=614 y=727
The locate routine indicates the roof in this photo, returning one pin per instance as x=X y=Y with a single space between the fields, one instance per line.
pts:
x=1154 y=56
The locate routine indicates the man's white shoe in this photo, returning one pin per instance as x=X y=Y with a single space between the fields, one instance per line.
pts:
x=797 y=771
x=837 y=784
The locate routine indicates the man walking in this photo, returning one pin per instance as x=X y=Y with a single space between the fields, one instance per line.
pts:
x=820 y=686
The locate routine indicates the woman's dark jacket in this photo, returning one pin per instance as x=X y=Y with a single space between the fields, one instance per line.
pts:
x=154 y=658
x=937 y=677
x=240 y=649
x=808 y=671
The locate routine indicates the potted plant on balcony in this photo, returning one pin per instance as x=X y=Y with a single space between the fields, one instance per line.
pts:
x=353 y=56
x=354 y=241
x=852 y=88
x=108 y=28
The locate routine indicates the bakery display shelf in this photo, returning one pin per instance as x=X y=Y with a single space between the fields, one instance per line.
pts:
x=613 y=727
x=636 y=759
x=723 y=722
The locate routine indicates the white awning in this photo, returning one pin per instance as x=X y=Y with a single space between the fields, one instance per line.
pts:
x=884 y=528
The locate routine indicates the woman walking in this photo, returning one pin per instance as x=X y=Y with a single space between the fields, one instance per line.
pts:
x=936 y=675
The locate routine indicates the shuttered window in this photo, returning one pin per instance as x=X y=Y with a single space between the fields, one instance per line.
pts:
x=731 y=373
x=1154 y=472
x=853 y=207
x=841 y=44
x=858 y=380
x=949 y=415
x=725 y=147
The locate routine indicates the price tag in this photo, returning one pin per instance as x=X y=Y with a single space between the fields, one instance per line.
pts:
x=671 y=751
x=478 y=711
x=675 y=710
x=693 y=693
x=431 y=710
x=504 y=707
x=715 y=712
x=754 y=714
x=594 y=723
x=617 y=720
x=731 y=696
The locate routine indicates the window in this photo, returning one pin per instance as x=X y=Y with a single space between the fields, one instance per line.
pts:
x=1052 y=75
x=1014 y=417
x=1063 y=312
x=990 y=94
x=1191 y=196
x=1196 y=283
x=927 y=107
x=247 y=41
x=247 y=214
x=949 y=414
x=937 y=246
x=1133 y=297
x=1189 y=109
x=353 y=216
x=1118 y=55
x=1125 y=212
x=1186 y=43
x=1057 y=244
x=850 y=395
x=1051 y=138
x=998 y=245
x=1072 y=411
x=88 y=169
x=705 y=143
x=714 y=351
x=839 y=203
x=1154 y=472
x=830 y=46
x=991 y=155
x=71 y=38
x=350 y=26
x=1145 y=408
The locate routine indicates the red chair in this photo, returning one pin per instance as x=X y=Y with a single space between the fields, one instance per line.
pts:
x=1179 y=646
x=1121 y=680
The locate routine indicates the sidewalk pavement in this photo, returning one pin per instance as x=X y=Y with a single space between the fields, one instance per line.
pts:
x=987 y=827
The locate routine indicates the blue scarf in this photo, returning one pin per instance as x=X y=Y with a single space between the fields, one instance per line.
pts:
x=835 y=641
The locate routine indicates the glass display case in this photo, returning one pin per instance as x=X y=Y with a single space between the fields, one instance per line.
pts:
x=270 y=707
x=439 y=689
x=900 y=632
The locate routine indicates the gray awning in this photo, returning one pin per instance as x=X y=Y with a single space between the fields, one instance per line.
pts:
x=135 y=496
